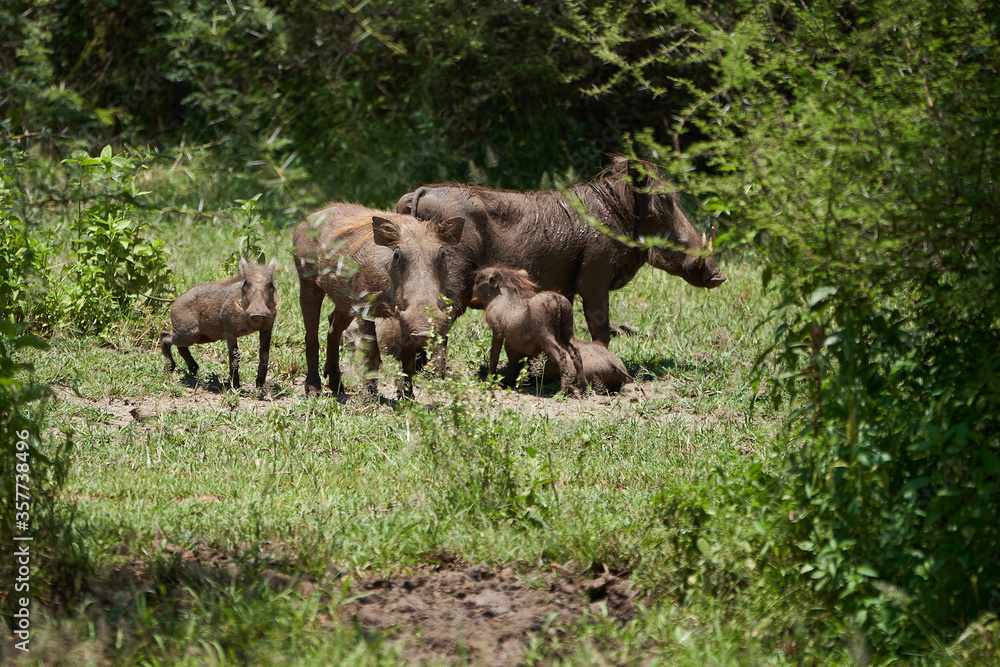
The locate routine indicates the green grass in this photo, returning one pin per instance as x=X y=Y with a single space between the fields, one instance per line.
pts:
x=327 y=487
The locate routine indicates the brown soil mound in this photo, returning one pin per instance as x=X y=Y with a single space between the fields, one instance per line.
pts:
x=452 y=611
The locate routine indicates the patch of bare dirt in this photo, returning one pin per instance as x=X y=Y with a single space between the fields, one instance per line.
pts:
x=437 y=612
x=441 y=611
x=121 y=411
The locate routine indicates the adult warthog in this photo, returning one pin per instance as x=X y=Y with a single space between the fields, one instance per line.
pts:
x=543 y=233
x=371 y=264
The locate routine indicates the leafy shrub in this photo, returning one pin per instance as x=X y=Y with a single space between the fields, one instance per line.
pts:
x=247 y=233
x=857 y=148
x=110 y=248
x=24 y=259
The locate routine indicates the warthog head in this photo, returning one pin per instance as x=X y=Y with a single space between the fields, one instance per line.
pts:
x=700 y=270
x=658 y=213
x=418 y=271
x=257 y=292
x=487 y=283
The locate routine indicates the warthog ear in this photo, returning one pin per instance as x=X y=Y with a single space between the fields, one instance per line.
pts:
x=386 y=231
x=450 y=231
x=494 y=278
x=244 y=267
x=271 y=267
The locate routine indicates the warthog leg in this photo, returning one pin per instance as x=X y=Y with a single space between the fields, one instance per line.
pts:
x=515 y=362
x=310 y=301
x=334 y=337
x=373 y=357
x=188 y=359
x=495 y=348
x=265 y=355
x=165 y=344
x=234 y=359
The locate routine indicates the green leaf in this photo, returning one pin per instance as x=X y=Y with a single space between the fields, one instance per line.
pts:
x=915 y=485
x=867 y=571
x=821 y=294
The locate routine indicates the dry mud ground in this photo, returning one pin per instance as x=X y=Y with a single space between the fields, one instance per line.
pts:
x=448 y=609
x=120 y=411
x=444 y=610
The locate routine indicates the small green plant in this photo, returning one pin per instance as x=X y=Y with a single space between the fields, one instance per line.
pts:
x=484 y=466
x=248 y=234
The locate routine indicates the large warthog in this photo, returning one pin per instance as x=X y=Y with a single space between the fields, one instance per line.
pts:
x=227 y=309
x=371 y=264
x=526 y=323
x=542 y=233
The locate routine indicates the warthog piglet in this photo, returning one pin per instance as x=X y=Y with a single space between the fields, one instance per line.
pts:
x=227 y=309
x=526 y=323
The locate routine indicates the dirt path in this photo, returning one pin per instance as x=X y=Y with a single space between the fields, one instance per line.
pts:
x=121 y=411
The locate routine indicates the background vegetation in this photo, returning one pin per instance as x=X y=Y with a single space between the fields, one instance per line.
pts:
x=849 y=150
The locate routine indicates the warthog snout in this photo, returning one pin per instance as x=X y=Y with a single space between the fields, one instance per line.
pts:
x=419 y=326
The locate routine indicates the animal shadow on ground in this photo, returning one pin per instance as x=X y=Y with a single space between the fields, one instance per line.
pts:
x=362 y=397
x=216 y=384
x=213 y=384
x=654 y=368
x=533 y=385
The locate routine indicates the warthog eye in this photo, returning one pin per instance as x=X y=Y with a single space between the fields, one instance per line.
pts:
x=397 y=254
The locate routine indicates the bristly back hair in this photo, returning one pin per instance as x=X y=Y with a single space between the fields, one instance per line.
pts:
x=515 y=281
x=612 y=191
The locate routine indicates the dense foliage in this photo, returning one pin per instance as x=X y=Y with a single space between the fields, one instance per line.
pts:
x=858 y=144
x=84 y=273
x=353 y=102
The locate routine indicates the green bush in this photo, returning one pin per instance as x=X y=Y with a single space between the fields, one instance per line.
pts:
x=857 y=148
x=111 y=255
x=76 y=272
x=24 y=258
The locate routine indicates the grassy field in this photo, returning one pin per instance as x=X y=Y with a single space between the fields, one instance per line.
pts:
x=224 y=527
